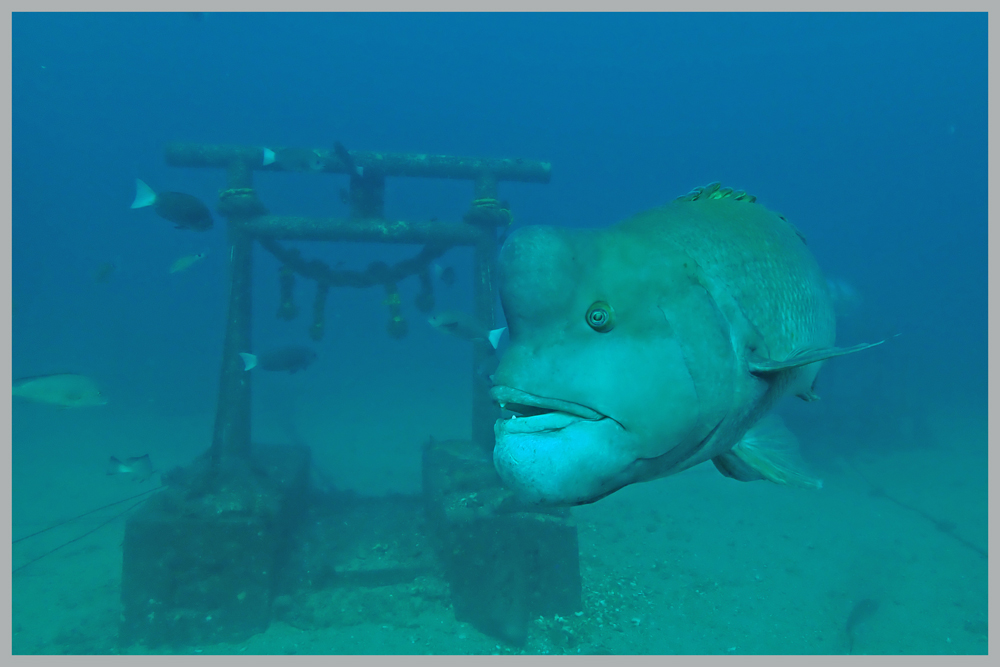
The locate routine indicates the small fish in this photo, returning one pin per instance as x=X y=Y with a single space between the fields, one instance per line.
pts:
x=103 y=272
x=292 y=359
x=67 y=390
x=345 y=157
x=487 y=367
x=294 y=159
x=445 y=274
x=139 y=468
x=185 y=262
x=465 y=326
x=464 y=450
x=185 y=211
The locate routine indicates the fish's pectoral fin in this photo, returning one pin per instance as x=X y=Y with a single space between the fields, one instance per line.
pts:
x=733 y=466
x=809 y=396
x=767 y=451
x=760 y=365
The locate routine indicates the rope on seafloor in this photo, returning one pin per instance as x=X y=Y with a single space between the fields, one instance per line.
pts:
x=942 y=525
x=145 y=496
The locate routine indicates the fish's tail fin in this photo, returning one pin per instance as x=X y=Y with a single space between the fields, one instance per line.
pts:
x=268 y=157
x=768 y=451
x=144 y=195
x=495 y=336
x=249 y=360
x=114 y=466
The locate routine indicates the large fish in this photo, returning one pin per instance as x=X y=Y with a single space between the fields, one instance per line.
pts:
x=67 y=390
x=642 y=349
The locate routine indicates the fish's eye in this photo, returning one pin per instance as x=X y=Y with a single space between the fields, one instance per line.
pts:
x=601 y=317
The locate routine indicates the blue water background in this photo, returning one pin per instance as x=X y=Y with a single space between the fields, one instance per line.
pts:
x=867 y=131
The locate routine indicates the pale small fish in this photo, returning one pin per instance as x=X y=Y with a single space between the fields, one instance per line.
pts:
x=67 y=390
x=465 y=326
x=184 y=263
x=139 y=468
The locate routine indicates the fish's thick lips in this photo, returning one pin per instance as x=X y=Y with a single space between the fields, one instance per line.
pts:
x=508 y=395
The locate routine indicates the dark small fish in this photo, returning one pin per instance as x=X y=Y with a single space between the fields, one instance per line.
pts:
x=184 y=210
x=292 y=359
x=487 y=367
x=445 y=274
x=103 y=272
x=465 y=326
x=860 y=612
x=345 y=157
x=139 y=468
x=294 y=159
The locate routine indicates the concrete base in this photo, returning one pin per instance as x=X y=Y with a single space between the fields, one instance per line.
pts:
x=506 y=563
x=201 y=558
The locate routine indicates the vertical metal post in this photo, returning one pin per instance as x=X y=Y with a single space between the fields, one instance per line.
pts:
x=231 y=436
x=484 y=411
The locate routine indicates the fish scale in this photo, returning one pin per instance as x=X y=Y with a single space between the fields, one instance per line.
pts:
x=762 y=261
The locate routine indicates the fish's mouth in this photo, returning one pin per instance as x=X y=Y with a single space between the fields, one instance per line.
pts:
x=534 y=414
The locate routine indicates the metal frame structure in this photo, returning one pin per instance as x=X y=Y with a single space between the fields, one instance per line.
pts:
x=248 y=221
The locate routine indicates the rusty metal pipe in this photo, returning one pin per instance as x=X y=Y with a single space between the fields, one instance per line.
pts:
x=386 y=164
x=287 y=227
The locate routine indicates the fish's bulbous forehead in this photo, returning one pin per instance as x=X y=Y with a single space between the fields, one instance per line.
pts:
x=539 y=269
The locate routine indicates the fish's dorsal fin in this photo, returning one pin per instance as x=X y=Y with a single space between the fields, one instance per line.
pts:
x=767 y=451
x=761 y=365
x=716 y=191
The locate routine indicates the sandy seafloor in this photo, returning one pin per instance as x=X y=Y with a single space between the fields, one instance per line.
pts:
x=692 y=564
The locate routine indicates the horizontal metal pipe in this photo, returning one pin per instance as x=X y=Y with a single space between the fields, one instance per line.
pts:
x=290 y=228
x=388 y=164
